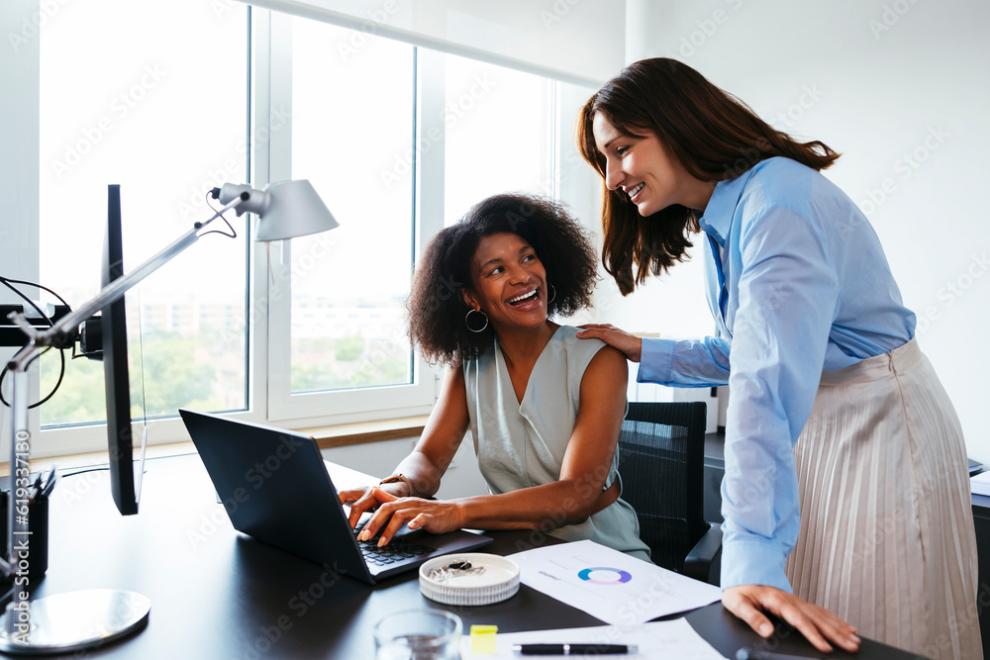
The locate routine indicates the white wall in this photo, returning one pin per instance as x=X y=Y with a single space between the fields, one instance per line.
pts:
x=900 y=87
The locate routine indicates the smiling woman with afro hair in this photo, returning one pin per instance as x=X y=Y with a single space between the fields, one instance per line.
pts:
x=436 y=306
x=544 y=407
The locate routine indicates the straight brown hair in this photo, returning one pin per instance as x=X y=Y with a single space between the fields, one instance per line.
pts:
x=713 y=135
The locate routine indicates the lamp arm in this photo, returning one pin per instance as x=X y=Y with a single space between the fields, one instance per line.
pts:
x=113 y=291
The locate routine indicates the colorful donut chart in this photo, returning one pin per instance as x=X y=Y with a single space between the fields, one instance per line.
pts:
x=620 y=576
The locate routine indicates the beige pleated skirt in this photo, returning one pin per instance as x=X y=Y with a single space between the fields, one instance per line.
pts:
x=887 y=538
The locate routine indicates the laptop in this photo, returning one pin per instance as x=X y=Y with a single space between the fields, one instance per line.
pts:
x=276 y=488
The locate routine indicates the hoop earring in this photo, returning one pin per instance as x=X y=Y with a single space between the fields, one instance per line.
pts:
x=467 y=324
x=553 y=294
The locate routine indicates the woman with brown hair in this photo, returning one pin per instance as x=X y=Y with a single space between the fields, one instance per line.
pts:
x=845 y=494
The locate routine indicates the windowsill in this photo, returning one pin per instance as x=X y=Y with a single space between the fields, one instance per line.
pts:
x=327 y=437
x=342 y=435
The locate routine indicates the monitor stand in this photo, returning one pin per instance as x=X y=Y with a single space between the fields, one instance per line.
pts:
x=77 y=620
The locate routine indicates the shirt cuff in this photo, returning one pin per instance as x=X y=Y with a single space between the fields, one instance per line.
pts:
x=753 y=561
x=655 y=361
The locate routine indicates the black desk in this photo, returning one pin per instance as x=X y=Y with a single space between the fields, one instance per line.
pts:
x=981 y=520
x=217 y=594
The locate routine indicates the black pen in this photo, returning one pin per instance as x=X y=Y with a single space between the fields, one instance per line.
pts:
x=746 y=653
x=588 y=648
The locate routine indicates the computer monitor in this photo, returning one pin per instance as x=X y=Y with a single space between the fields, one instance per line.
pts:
x=117 y=384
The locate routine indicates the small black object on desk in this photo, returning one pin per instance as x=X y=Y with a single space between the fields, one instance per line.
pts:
x=575 y=649
x=37 y=498
x=747 y=653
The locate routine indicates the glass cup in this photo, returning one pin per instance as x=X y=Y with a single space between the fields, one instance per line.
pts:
x=418 y=635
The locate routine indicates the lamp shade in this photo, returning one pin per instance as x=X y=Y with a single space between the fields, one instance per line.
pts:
x=293 y=209
x=286 y=209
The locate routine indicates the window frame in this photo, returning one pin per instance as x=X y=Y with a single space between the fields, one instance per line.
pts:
x=366 y=403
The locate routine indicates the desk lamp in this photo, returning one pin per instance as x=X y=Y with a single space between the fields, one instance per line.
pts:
x=77 y=620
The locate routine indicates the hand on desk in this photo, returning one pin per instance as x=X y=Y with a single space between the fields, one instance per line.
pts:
x=816 y=623
x=393 y=511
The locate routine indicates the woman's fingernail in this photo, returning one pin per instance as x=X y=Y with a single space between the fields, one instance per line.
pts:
x=766 y=629
x=363 y=536
x=382 y=541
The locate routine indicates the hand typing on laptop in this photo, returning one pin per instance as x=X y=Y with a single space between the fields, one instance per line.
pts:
x=392 y=512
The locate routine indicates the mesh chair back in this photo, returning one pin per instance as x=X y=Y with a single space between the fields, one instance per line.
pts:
x=661 y=462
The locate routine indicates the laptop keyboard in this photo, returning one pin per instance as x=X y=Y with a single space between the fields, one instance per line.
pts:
x=392 y=553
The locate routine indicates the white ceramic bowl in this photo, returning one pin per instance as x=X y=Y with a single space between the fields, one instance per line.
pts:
x=498 y=582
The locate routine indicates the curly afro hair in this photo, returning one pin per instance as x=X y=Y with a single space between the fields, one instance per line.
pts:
x=436 y=306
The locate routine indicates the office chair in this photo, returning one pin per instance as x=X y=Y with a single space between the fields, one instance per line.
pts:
x=661 y=464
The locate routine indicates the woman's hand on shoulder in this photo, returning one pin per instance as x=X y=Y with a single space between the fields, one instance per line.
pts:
x=818 y=625
x=630 y=345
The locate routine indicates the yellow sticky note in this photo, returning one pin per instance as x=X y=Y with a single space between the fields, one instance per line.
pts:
x=483 y=640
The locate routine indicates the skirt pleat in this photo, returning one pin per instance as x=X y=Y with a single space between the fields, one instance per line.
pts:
x=887 y=539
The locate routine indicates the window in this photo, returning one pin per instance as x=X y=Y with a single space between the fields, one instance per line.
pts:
x=353 y=117
x=398 y=140
x=480 y=161
x=155 y=114
x=338 y=347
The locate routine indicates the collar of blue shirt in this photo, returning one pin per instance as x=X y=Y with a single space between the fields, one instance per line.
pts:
x=717 y=218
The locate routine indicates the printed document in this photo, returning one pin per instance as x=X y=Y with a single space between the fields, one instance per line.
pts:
x=980 y=484
x=610 y=585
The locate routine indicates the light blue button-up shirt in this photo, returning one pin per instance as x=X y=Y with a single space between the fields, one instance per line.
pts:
x=798 y=284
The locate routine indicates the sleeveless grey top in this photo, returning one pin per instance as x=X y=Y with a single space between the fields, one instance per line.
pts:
x=520 y=445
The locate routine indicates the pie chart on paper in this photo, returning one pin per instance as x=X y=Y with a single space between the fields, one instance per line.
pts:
x=604 y=575
x=608 y=584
